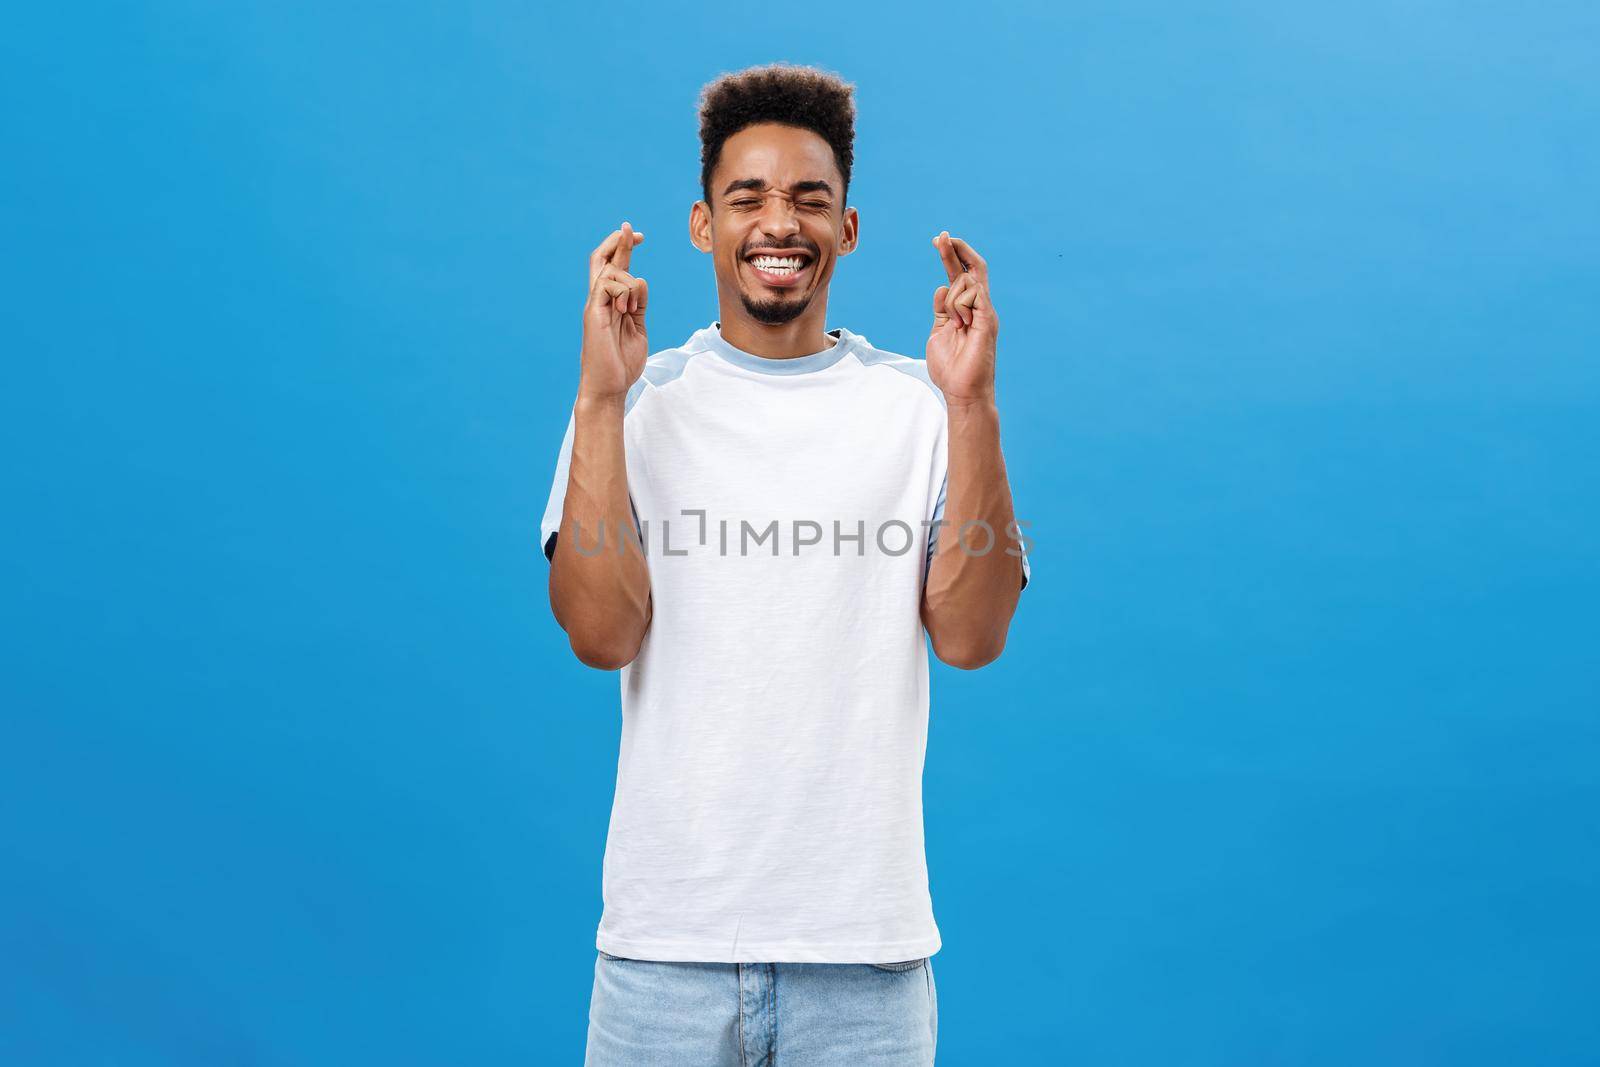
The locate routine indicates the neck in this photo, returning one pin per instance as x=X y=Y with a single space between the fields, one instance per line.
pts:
x=800 y=336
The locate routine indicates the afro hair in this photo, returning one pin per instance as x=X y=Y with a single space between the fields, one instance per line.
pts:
x=806 y=97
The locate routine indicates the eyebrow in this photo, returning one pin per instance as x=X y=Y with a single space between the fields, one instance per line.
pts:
x=798 y=187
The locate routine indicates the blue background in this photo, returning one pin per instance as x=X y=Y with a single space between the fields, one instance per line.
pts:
x=1293 y=757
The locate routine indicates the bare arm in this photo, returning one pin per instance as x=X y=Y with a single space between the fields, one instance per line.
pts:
x=602 y=598
x=971 y=593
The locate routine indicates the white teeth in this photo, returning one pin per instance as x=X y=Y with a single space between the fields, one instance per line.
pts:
x=777 y=264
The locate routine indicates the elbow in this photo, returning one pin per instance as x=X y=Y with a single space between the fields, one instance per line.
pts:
x=603 y=655
x=605 y=648
x=604 y=640
x=969 y=653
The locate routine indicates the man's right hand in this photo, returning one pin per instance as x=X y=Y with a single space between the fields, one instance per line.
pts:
x=614 y=344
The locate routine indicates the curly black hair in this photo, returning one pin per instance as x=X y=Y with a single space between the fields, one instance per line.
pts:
x=806 y=97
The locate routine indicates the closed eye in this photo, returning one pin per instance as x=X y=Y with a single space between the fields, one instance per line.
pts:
x=815 y=205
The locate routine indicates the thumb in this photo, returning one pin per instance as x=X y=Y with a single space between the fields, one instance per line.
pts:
x=941 y=306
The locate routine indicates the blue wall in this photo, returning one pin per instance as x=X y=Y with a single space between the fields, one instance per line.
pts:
x=1293 y=757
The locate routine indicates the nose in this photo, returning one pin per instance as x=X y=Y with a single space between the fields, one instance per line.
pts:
x=778 y=221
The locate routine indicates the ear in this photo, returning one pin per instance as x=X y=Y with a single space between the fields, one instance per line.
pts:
x=850 y=234
x=700 y=226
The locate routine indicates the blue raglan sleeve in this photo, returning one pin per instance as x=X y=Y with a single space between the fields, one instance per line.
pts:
x=550 y=524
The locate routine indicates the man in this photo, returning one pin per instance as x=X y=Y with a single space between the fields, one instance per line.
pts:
x=748 y=526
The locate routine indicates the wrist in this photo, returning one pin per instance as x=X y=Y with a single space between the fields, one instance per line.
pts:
x=599 y=403
x=982 y=402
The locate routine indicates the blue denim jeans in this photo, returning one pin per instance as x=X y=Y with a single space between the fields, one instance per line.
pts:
x=761 y=1014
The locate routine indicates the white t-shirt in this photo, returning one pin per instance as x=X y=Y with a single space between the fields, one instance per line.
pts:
x=768 y=802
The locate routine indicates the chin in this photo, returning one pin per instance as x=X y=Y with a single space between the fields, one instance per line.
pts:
x=774 y=312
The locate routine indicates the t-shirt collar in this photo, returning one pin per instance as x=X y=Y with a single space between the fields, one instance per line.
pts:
x=815 y=361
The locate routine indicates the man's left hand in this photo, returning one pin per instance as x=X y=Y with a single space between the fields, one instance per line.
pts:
x=961 y=346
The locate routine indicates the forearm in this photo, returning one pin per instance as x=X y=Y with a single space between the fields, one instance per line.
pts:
x=600 y=595
x=972 y=593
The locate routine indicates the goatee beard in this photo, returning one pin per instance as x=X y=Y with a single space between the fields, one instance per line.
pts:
x=774 y=312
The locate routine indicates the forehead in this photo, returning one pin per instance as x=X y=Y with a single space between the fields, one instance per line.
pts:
x=779 y=155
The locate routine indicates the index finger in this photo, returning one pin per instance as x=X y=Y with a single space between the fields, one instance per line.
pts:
x=974 y=262
x=629 y=237
x=607 y=253
x=947 y=254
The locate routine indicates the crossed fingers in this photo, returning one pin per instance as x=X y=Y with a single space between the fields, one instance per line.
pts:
x=969 y=281
x=609 y=280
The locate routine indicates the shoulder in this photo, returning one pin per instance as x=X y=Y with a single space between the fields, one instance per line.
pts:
x=663 y=368
x=913 y=371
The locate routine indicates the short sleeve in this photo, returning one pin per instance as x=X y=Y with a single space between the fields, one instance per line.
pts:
x=550 y=524
x=1004 y=541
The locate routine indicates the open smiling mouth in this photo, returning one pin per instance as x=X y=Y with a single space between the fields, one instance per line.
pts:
x=780 y=272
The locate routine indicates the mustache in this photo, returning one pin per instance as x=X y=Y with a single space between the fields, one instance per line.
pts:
x=807 y=249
